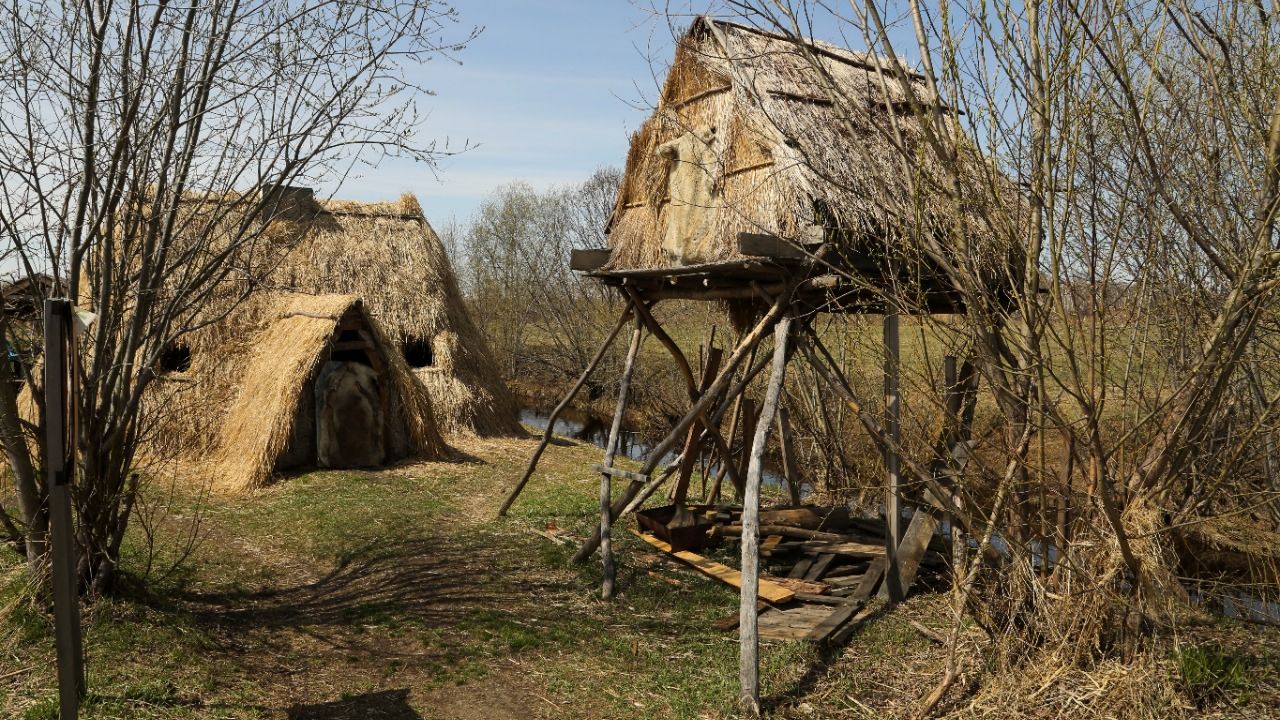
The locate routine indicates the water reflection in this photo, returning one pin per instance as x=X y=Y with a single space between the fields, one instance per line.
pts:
x=587 y=428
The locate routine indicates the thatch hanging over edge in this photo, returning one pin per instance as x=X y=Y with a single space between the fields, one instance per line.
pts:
x=286 y=353
x=390 y=256
x=792 y=157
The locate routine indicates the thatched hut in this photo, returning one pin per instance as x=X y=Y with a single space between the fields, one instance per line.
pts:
x=388 y=255
x=756 y=133
x=320 y=385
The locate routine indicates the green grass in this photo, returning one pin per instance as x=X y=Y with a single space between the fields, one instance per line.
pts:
x=339 y=590
x=1211 y=673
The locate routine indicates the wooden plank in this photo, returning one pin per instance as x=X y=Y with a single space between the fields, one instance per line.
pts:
x=855 y=549
x=800 y=568
x=819 y=567
x=789 y=531
x=793 y=623
x=587 y=260
x=912 y=549
x=868 y=585
x=823 y=599
x=800 y=586
x=769 y=591
x=620 y=473
x=771 y=542
x=823 y=630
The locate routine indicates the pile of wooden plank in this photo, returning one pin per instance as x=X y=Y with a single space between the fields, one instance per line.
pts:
x=820 y=568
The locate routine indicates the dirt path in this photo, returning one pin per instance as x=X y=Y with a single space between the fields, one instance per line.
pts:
x=407 y=626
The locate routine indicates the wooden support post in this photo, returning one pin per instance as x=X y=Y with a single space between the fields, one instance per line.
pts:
x=60 y=463
x=892 y=456
x=610 y=452
x=749 y=423
x=692 y=387
x=748 y=629
x=665 y=445
x=950 y=382
x=789 y=466
x=693 y=448
x=555 y=414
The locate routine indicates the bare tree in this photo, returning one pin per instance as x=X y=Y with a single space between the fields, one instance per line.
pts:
x=1129 y=358
x=138 y=143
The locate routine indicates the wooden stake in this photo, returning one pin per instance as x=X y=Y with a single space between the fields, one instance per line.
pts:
x=748 y=629
x=664 y=446
x=892 y=457
x=789 y=466
x=606 y=480
x=555 y=414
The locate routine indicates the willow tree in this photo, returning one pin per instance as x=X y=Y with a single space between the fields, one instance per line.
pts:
x=114 y=116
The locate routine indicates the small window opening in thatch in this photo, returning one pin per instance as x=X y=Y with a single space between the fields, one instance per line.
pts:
x=417 y=352
x=175 y=358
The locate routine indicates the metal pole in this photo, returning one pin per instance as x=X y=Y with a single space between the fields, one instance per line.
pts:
x=893 y=429
x=59 y=470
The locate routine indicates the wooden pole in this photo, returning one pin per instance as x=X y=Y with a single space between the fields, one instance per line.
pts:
x=748 y=630
x=789 y=466
x=555 y=414
x=892 y=456
x=60 y=463
x=951 y=395
x=665 y=445
x=610 y=451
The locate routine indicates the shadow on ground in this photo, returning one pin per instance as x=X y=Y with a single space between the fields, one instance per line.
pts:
x=428 y=584
x=381 y=705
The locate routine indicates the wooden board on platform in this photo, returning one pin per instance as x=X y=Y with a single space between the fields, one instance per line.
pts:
x=855 y=549
x=793 y=623
x=769 y=591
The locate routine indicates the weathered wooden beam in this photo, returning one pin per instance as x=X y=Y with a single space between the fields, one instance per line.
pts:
x=664 y=446
x=610 y=452
x=555 y=414
x=620 y=473
x=588 y=260
x=770 y=246
x=748 y=627
x=790 y=469
x=892 y=458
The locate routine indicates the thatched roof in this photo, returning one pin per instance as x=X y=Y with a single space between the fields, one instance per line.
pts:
x=258 y=412
x=388 y=255
x=800 y=144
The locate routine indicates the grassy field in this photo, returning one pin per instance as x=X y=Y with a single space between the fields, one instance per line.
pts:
x=397 y=594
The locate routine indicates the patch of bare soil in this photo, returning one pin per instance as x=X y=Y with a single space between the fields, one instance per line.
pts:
x=414 y=627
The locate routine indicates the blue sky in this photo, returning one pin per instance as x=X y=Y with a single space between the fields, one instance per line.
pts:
x=548 y=93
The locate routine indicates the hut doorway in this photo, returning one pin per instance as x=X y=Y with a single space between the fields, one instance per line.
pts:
x=350 y=430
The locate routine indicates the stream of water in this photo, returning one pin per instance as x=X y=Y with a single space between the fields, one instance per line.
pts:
x=590 y=429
